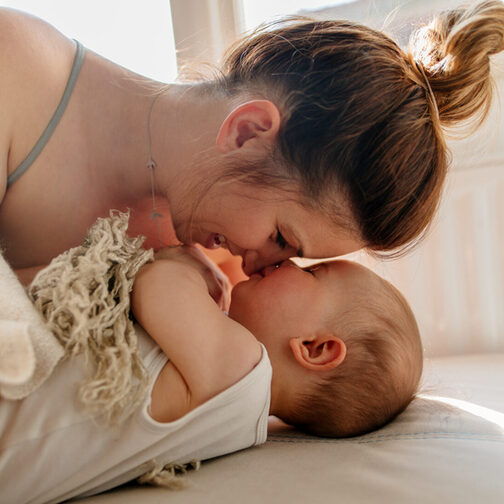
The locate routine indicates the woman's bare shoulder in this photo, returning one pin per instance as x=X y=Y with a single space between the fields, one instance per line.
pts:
x=30 y=46
x=34 y=59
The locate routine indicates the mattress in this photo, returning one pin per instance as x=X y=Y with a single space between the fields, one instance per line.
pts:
x=448 y=447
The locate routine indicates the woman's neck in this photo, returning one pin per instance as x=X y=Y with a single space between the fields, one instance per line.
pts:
x=176 y=124
x=184 y=125
x=115 y=106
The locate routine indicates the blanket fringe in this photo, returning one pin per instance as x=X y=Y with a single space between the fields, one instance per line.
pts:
x=170 y=476
x=84 y=297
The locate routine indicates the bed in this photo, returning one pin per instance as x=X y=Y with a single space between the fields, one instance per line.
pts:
x=448 y=447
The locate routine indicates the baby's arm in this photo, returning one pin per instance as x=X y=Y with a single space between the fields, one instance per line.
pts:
x=217 y=282
x=210 y=351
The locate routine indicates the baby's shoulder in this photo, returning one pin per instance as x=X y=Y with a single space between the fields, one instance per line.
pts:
x=172 y=398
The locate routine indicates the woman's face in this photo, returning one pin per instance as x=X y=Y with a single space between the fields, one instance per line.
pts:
x=266 y=226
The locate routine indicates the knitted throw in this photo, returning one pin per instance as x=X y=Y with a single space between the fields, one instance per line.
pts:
x=84 y=296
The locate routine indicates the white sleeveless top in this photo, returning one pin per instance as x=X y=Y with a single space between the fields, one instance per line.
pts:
x=51 y=451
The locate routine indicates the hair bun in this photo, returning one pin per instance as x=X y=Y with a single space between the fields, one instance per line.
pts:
x=454 y=50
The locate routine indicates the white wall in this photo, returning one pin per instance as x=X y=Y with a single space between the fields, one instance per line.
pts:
x=454 y=280
x=136 y=34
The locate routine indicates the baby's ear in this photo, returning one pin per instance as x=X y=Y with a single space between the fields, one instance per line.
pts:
x=319 y=352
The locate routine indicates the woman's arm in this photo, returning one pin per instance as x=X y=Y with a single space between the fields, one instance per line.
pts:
x=170 y=300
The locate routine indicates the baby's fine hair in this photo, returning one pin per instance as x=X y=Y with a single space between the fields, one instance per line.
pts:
x=363 y=117
x=379 y=376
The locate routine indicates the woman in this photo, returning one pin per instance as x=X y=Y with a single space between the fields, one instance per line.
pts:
x=318 y=139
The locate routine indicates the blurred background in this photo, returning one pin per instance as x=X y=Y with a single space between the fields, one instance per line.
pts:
x=454 y=279
x=154 y=37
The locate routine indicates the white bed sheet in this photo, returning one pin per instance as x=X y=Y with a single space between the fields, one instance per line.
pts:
x=433 y=453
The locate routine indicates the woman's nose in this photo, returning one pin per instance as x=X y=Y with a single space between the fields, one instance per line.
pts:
x=249 y=262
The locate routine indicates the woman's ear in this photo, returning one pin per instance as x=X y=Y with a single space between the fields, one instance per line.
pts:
x=253 y=120
x=319 y=353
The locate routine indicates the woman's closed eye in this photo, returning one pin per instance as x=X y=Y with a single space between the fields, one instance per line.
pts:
x=280 y=240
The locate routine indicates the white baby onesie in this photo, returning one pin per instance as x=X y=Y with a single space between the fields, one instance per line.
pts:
x=51 y=451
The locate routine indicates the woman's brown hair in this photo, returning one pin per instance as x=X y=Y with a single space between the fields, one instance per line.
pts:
x=364 y=118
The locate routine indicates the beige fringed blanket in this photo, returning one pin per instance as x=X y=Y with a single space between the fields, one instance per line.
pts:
x=84 y=297
x=28 y=349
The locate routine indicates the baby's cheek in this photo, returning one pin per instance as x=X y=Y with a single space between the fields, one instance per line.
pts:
x=245 y=308
x=236 y=308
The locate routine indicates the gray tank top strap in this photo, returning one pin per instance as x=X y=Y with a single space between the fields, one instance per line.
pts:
x=51 y=126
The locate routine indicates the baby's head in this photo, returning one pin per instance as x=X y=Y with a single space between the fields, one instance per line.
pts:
x=343 y=343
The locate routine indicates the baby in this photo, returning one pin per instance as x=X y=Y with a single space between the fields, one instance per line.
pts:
x=332 y=349
x=343 y=344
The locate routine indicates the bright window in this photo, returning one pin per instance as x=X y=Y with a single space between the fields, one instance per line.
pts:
x=256 y=12
x=135 y=34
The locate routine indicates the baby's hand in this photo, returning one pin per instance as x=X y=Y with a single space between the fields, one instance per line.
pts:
x=217 y=282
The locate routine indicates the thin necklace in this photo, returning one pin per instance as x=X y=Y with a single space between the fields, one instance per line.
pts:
x=151 y=165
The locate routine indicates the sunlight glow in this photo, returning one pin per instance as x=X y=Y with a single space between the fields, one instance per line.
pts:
x=488 y=414
x=256 y=12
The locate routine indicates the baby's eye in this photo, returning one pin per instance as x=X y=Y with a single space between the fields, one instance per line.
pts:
x=280 y=240
x=311 y=269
